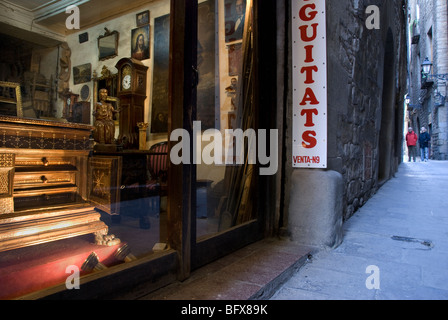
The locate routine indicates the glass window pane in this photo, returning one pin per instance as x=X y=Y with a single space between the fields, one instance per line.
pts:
x=142 y=219
x=225 y=127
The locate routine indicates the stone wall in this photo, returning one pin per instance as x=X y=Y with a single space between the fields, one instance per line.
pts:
x=357 y=147
x=365 y=98
x=433 y=43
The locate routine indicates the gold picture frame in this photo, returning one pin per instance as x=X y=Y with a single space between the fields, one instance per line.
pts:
x=7 y=97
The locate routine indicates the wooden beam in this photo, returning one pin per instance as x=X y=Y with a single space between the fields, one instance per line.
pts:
x=182 y=105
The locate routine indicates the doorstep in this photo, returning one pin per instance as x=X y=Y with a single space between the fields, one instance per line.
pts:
x=254 y=272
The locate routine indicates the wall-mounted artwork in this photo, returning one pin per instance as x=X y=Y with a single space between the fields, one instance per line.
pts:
x=142 y=18
x=206 y=112
x=235 y=13
x=82 y=73
x=161 y=72
x=108 y=45
x=235 y=58
x=83 y=37
x=84 y=93
x=140 y=43
x=206 y=69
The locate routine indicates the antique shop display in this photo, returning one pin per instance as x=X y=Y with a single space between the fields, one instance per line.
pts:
x=49 y=186
x=7 y=161
x=107 y=80
x=132 y=95
x=104 y=183
x=81 y=112
x=39 y=94
x=142 y=127
x=75 y=110
x=119 y=185
x=11 y=96
x=65 y=68
x=70 y=100
x=104 y=113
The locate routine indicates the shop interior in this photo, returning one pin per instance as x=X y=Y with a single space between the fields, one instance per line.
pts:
x=108 y=81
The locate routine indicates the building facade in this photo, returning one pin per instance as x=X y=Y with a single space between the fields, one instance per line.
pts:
x=366 y=89
x=428 y=41
x=174 y=187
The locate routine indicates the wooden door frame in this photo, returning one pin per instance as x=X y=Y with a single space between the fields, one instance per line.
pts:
x=182 y=107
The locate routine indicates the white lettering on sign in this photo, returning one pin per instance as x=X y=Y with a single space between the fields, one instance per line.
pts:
x=309 y=84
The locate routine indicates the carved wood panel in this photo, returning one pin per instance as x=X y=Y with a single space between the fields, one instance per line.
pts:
x=104 y=183
x=6 y=182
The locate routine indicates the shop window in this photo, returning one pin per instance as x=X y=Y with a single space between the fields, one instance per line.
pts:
x=69 y=204
x=135 y=202
x=225 y=124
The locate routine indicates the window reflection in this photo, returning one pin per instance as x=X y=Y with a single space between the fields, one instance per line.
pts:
x=223 y=189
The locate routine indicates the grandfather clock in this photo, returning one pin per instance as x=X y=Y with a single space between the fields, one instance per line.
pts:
x=70 y=100
x=132 y=95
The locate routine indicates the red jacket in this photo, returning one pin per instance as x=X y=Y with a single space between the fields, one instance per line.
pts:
x=411 y=138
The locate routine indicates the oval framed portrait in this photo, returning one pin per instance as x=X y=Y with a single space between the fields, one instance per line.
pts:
x=85 y=93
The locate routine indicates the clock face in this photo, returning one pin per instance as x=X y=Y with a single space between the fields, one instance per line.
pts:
x=126 y=83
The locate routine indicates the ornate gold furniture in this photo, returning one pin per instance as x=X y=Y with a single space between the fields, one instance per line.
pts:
x=43 y=183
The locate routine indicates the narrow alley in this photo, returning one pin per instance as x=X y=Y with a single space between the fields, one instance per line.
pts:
x=401 y=234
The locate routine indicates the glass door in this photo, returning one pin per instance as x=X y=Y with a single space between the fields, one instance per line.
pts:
x=224 y=132
x=219 y=193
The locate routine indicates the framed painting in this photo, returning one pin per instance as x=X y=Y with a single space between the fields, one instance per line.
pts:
x=235 y=58
x=142 y=18
x=82 y=73
x=140 y=43
x=235 y=15
x=160 y=81
x=206 y=111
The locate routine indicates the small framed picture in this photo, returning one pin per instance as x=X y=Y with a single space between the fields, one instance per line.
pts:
x=142 y=18
x=82 y=73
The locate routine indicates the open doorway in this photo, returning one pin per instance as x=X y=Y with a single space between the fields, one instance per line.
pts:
x=387 y=132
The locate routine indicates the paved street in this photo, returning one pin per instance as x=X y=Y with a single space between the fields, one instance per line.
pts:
x=402 y=232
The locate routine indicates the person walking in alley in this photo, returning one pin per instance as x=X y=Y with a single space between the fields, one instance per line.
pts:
x=424 y=140
x=411 y=141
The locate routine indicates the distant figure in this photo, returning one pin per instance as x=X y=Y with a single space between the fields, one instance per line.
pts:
x=104 y=113
x=411 y=141
x=424 y=140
